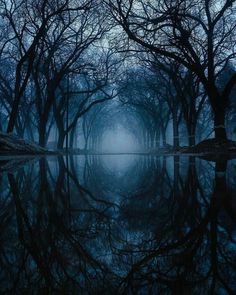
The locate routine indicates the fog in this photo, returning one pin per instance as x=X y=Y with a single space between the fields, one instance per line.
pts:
x=118 y=140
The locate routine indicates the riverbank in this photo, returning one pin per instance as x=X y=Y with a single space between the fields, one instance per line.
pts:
x=11 y=145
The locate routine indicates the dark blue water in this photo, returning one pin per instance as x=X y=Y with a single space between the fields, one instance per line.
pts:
x=118 y=225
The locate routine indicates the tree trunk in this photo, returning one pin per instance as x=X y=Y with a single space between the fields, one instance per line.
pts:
x=30 y=132
x=163 y=133
x=219 y=123
x=72 y=137
x=42 y=132
x=13 y=115
x=149 y=140
x=152 y=139
x=61 y=139
x=191 y=134
x=144 y=139
x=86 y=141
x=175 y=131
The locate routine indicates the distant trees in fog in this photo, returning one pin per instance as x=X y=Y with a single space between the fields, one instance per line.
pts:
x=198 y=36
x=172 y=61
x=50 y=52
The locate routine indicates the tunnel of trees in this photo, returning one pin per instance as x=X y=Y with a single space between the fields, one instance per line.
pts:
x=161 y=72
x=118 y=147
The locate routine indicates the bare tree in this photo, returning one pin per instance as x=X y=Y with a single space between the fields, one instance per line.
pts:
x=28 y=23
x=200 y=35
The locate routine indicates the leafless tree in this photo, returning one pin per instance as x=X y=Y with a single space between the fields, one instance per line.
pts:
x=199 y=34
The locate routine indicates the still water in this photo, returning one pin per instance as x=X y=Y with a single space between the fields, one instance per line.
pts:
x=122 y=224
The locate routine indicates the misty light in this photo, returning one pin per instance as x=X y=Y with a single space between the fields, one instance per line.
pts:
x=118 y=165
x=118 y=140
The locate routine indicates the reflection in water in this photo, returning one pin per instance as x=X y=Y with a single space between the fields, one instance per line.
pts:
x=118 y=165
x=118 y=224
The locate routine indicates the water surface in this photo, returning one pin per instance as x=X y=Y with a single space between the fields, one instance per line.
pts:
x=124 y=224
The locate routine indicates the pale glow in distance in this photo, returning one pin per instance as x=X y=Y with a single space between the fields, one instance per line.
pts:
x=118 y=140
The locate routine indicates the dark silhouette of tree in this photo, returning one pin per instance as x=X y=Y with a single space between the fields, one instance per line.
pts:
x=199 y=35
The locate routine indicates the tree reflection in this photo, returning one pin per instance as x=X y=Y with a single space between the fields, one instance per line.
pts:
x=69 y=225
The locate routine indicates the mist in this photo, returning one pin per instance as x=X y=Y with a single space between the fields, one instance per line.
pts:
x=119 y=140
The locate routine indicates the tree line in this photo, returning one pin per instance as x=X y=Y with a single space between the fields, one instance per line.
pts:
x=171 y=62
